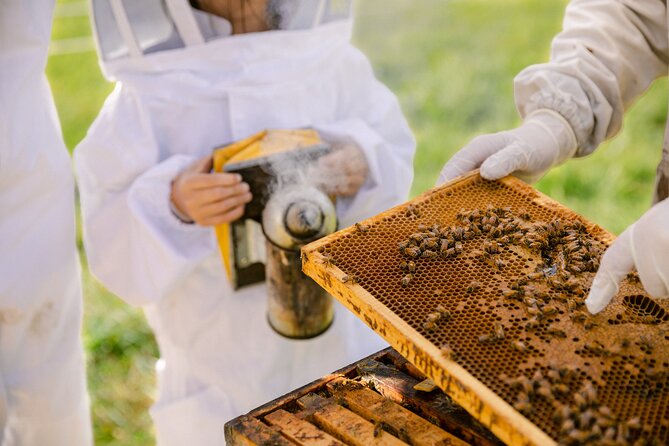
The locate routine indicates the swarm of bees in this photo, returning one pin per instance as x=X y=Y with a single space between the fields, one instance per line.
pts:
x=585 y=420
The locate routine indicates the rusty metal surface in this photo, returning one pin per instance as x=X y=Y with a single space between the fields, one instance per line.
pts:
x=457 y=302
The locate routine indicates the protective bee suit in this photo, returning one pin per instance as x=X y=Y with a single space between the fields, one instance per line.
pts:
x=184 y=86
x=43 y=397
x=608 y=54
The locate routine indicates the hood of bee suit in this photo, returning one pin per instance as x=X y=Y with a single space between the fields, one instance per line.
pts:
x=139 y=41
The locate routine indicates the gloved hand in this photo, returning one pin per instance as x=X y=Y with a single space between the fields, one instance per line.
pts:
x=341 y=172
x=545 y=139
x=644 y=246
x=208 y=199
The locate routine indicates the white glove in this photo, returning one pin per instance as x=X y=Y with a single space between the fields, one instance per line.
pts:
x=545 y=139
x=644 y=246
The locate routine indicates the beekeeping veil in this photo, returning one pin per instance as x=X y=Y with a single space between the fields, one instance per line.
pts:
x=132 y=29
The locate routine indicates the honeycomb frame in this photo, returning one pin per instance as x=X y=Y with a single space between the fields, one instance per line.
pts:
x=359 y=267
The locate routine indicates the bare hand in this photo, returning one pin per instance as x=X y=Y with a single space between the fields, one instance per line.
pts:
x=342 y=172
x=209 y=199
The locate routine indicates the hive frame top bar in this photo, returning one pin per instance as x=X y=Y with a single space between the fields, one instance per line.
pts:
x=481 y=401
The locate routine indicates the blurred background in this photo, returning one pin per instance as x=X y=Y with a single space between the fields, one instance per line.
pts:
x=452 y=63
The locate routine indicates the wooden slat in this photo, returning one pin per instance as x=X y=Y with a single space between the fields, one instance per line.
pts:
x=247 y=431
x=347 y=426
x=398 y=387
x=406 y=424
x=300 y=431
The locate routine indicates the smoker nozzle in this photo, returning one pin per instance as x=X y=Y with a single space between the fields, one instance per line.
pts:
x=297 y=215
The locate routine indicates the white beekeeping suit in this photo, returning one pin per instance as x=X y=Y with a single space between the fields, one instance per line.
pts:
x=184 y=86
x=43 y=397
x=608 y=53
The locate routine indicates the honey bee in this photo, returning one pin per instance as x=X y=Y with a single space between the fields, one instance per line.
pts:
x=499 y=330
x=429 y=326
x=549 y=310
x=406 y=280
x=499 y=264
x=580 y=401
x=634 y=423
x=473 y=287
x=418 y=237
x=590 y=393
x=578 y=436
x=430 y=243
x=545 y=392
x=523 y=383
x=490 y=247
x=447 y=352
x=411 y=267
x=519 y=346
x=532 y=324
x=413 y=251
x=557 y=333
x=535 y=276
x=589 y=325
x=485 y=339
x=578 y=316
x=560 y=389
x=524 y=407
x=427 y=254
x=633 y=278
x=349 y=279
x=361 y=228
x=505 y=240
x=445 y=314
x=327 y=260
x=534 y=311
x=412 y=212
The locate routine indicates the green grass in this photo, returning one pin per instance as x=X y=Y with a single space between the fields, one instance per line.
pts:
x=452 y=63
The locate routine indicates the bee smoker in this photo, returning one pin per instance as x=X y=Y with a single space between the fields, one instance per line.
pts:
x=294 y=216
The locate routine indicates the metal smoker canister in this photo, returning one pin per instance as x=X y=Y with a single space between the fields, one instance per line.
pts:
x=297 y=306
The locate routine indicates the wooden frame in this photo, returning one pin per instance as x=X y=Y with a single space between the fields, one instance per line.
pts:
x=486 y=406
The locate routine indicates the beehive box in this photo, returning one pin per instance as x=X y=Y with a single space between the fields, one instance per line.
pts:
x=496 y=317
x=370 y=402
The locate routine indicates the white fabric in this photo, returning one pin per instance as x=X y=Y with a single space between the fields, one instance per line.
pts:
x=220 y=356
x=644 y=247
x=606 y=56
x=43 y=397
x=544 y=140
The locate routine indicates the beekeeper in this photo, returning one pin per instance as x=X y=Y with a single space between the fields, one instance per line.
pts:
x=187 y=81
x=608 y=53
x=43 y=397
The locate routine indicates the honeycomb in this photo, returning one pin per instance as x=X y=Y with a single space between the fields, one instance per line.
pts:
x=581 y=379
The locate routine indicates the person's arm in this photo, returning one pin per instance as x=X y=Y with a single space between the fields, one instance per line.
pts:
x=136 y=246
x=607 y=55
x=378 y=145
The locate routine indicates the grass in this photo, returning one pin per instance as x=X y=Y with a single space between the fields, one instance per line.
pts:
x=451 y=63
